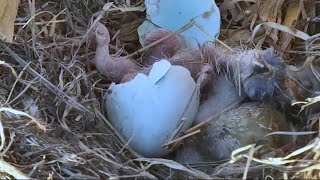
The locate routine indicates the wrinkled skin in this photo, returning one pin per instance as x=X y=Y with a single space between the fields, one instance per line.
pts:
x=260 y=75
x=190 y=59
x=221 y=60
x=130 y=76
x=164 y=49
x=112 y=68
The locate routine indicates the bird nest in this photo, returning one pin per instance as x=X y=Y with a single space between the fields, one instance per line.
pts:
x=52 y=122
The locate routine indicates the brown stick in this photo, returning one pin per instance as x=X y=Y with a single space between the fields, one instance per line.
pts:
x=182 y=137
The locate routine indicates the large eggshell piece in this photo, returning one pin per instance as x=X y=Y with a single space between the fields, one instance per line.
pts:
x=147 y=110
x=172 y=15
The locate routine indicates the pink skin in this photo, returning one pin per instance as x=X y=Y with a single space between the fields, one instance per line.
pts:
x=190 y=59
x=193 y=60
x=121 y=70
x=164 y=49
x=172 y=49
x=112 y=68
x=131 y=76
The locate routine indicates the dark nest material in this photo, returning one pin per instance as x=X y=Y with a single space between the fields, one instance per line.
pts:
x=48 y=73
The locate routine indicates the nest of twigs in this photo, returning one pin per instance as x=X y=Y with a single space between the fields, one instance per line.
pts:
x=52 y=123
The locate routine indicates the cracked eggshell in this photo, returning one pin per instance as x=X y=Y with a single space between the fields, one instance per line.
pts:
x=172 y=15
x=147 y=110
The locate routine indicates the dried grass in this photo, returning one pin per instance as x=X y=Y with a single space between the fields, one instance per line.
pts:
x=48 y=77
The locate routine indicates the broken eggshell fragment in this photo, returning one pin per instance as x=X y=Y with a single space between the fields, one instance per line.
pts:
x=173 y=15
x=148 y=109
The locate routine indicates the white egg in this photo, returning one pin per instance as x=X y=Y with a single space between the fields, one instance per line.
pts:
x=147 y=110
x=172 y=15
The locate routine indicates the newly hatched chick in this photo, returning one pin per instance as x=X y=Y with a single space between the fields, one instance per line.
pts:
x=240 y=63
x=245 y=124
x=112 y=68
